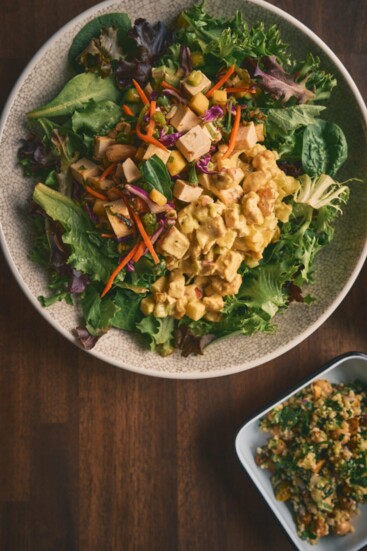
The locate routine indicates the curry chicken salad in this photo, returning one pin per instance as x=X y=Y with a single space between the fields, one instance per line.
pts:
x=317 y=456
x=185 y=178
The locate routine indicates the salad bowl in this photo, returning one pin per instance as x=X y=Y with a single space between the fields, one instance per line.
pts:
x=333 y=279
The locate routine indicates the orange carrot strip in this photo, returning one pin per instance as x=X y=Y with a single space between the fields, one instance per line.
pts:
x=165 y=84
x=141 y=92
x=107 y=172
x=149 y=139
x=118 y=269
x=128 y=110
x=139 y=251
x=235 y=127
x=151 y=126
x=221 y=81
x=145 y=236
x=95 y=193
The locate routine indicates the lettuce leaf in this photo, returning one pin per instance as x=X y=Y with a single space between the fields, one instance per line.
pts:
x=88 y=252
x=159 y=332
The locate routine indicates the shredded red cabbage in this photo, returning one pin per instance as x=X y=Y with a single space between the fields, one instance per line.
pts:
x=212 y=114
x=169 y=140
x=153 y=207
x=169 y=92
x=202 y=165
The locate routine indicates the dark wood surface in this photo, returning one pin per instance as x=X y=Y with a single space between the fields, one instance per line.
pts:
x=94 y=458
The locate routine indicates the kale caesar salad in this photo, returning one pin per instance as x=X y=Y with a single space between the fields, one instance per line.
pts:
x=184 y=178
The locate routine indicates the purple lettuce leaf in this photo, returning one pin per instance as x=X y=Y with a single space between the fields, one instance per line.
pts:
x=86 y=340
x=276 y=81
x=185 y=59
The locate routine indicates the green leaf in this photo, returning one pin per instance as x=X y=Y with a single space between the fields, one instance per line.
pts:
x=88 y=251
x=324 y=148
x=156 y=176
x=159 y=332
x=97 y=118
x=98 y=313
x=128 y=313
x=264 y=289
x=76 y=94
x=288 y=119
x=120 y=21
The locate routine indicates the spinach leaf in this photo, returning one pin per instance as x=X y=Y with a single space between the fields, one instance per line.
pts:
x=324 y=148
x=97 y=313
x=156 y=176
x=97 y=118
x=128 y=313
x=120 y=21
x=89 y=254
x=76 y=94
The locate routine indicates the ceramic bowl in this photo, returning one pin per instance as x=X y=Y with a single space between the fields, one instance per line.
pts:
x=333 y=279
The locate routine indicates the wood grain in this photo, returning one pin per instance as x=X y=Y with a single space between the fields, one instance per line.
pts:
x=94 y=458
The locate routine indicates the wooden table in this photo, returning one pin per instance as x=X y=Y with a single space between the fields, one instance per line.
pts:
x=94 y=458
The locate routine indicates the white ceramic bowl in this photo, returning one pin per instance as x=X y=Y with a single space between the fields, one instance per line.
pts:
x=344 y=369
x=333 y=279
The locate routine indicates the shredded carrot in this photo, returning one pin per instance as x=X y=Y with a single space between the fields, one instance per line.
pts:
x=151 y=126
x=141 y=92
x=107 y=172
x=235 y=127
x=165 y=84
x=235 y=89
x=221 y=81
x=139 y=252
x=149 y=139
x=108 y=235
x=145 y=236
x=91 y=191
x=118 y=269
x=128 y=110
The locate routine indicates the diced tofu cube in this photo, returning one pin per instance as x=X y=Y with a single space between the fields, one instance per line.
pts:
x=176 y=163
x=229 y=178
x=228 y=264
x=101 y=143
x=130 y=170
x=215 y=303
x=195 y=310
x=118 y=216
x=194 y=144
x=229 y=196
x=246 y=137
x=155 y=150
x=193 y=90
x=219 y=97
x=213 y=132
x=84 y=169
x=222 y=287
x=184 y=119
x=186 y=192
x=174 y=243
x=199 y=103
x=227 y=239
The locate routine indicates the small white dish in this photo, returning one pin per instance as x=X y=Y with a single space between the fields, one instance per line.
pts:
x=343 y=369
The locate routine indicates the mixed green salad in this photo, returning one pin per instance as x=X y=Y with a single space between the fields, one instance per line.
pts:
x=185 y=178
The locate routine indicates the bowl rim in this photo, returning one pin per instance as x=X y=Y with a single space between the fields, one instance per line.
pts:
x=326 y=367
x=197 y=374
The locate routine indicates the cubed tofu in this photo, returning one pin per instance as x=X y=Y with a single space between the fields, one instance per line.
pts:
x=229 y=196
x=202 y=87
x=130 y=170
x=199 y=103
x=246 y=137
x=84 y=169
x=159 y=285
x=101 y=143
x=155 y=150
x=176 y=163
x=208 y=233
x=228 y=264
x=118 y=216
x=222 y=287
x=227 y=239
x=147 y=305
x=195 y=310
x=186 y=192
x=174 y=243
x=194 y=144
x=184 y=118
x=214 y=303
x=260 y=132
x=228 y=178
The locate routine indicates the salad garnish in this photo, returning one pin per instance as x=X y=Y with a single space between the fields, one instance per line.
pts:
x=185 y=178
